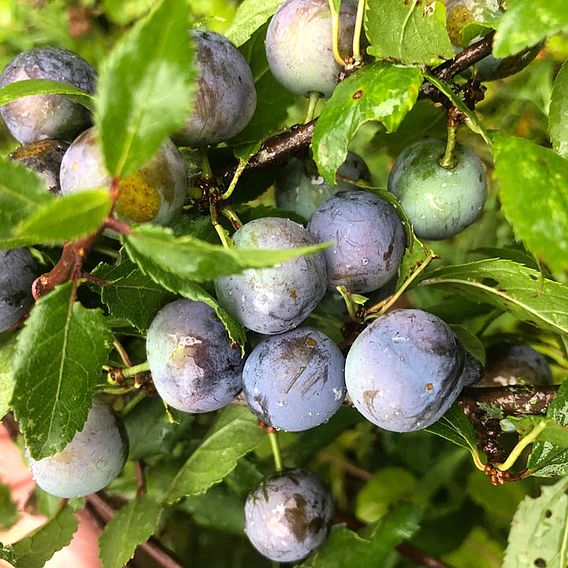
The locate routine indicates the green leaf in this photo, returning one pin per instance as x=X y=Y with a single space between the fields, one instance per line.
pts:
x=36 y=549
x=150 y=432
x=415 y=256
x=346 y=548
x=411 y=32
x=539 y=530
x=552 y=431
x=472 y=121
x=455 y=427
x=145 y=88
x=478 y=550
x=380 y=92
x=389 y=485
x=132 y=525
x=179 y=285
x=558 y=114
x=7 y=348
x=20 y=89
x=22 y=193
x=131 y=295
x=67 y=218
x=526 y=22
x=56 y=368
x=510 y=286
x=250 y=16
x=8 y=509
x=500 y=502
x=532 y=188
x=272 y=99
x=546 y=459
x=218 y=509
x=123 y=12
x=199 y=261
x=234 y=434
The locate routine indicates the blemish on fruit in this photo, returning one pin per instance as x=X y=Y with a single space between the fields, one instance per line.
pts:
x=138 y=200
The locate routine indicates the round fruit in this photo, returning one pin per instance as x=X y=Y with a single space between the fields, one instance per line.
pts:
x=194 y=366
x=47 y=116
x=277 y=299
x=303 y=192
x=18 y=270
x=299 y=45
x=92 y=459
x=287 y=515
x=439 y=202
x=405 y=370
x=226 y=98
x=155 y=193
x=509 y=364
x=369 y=240
x=295 y=381
x=43 y=157
x=459 y=13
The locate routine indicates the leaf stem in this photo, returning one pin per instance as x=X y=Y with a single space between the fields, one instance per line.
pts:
x=335 y=35
x=448 y=161
x=206 y=172
x=220 y=230
x=312 y=104
x=477 y=459
x=349 y=303
x=275 y=445
x=236 y=176
x=472 y=120
x=133 y=403
x=233 y=217
x=135 y=369
x=358 y=30
x=122 y=353
x=385 y=305
x=521 y=445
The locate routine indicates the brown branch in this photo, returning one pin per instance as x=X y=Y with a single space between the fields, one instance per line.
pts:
x=465 y=59
x=512 y=400
x=299 y=137
x=419 y=556
x=139 y=467
x=68 y=267
x=515 y=400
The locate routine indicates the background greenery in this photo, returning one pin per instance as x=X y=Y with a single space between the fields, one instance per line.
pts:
x=416 y=487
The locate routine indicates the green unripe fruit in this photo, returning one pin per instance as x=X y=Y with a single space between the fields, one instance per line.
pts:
x=439 y=202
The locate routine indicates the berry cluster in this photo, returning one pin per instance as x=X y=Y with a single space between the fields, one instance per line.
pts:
x=402 y=372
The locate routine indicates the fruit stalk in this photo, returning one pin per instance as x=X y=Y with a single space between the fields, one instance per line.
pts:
x=357 y=56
